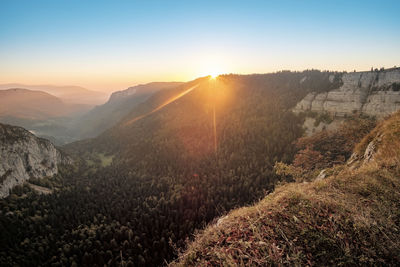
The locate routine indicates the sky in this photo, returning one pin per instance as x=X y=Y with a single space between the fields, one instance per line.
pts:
x=111 y=45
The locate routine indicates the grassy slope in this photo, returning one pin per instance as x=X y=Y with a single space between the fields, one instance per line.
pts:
x=351 y=217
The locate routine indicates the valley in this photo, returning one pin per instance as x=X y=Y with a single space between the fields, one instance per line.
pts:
x=199 y=133
x=161 y=166
x=62 y=115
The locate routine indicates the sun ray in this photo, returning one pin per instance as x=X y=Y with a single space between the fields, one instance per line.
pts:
x=213 y=87
x=215 y=129
x=169 y=101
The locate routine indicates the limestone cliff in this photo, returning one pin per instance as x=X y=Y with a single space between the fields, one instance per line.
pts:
x=374 y=93
x=117 y=107
x=141 y=89
x=23 y=155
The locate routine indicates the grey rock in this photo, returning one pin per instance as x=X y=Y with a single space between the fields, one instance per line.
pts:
x=221 y=220
x=303 y=79
x=310 y=127
x=369 y=152
x=23 y=156
x=374 y=93
x=321 y=175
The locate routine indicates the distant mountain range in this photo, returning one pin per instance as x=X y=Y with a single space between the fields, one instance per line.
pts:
x=57 y=112
x=69 y=94
x=35 y=105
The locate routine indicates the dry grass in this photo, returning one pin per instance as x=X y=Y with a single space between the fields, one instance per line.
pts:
x=350 y=218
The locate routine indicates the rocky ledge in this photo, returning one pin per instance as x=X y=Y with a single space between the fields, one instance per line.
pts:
x=374 y=93
x=24 y=156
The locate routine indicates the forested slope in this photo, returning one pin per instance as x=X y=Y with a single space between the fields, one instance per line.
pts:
x=139 y=190
x=103 y=117
x=349 y=217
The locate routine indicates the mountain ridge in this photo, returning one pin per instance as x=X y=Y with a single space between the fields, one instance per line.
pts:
x=70 y=94
x=120 y=103
x=374 y=93
x=147 y=88
x=29 y=104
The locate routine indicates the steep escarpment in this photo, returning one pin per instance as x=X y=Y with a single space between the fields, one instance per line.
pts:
x=348 y=216
x=142 y=89
x=374 y=93
x=118 y=106
x=24 y=156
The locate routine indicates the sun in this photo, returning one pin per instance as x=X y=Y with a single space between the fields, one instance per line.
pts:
x=212 y=71
x=214 y=74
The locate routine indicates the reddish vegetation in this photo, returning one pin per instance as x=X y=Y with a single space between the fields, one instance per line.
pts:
x=328 y=148
x=349 y=218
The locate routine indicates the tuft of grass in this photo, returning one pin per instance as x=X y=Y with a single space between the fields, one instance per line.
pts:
x=352 y=217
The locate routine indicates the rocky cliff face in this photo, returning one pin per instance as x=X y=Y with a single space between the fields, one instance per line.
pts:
x=375 y=93
x=23 y=155
x=118 y=106
x=141 y=89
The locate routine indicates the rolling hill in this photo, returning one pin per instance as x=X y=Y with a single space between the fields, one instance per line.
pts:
x=34 y=105
x=68 y=94
x=42 y=113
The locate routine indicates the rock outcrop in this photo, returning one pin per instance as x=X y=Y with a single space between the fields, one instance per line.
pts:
x=23 y=156
x=141 y=89
x=374 y=93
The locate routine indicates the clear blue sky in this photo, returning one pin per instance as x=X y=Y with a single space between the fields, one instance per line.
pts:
x=108 y=45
